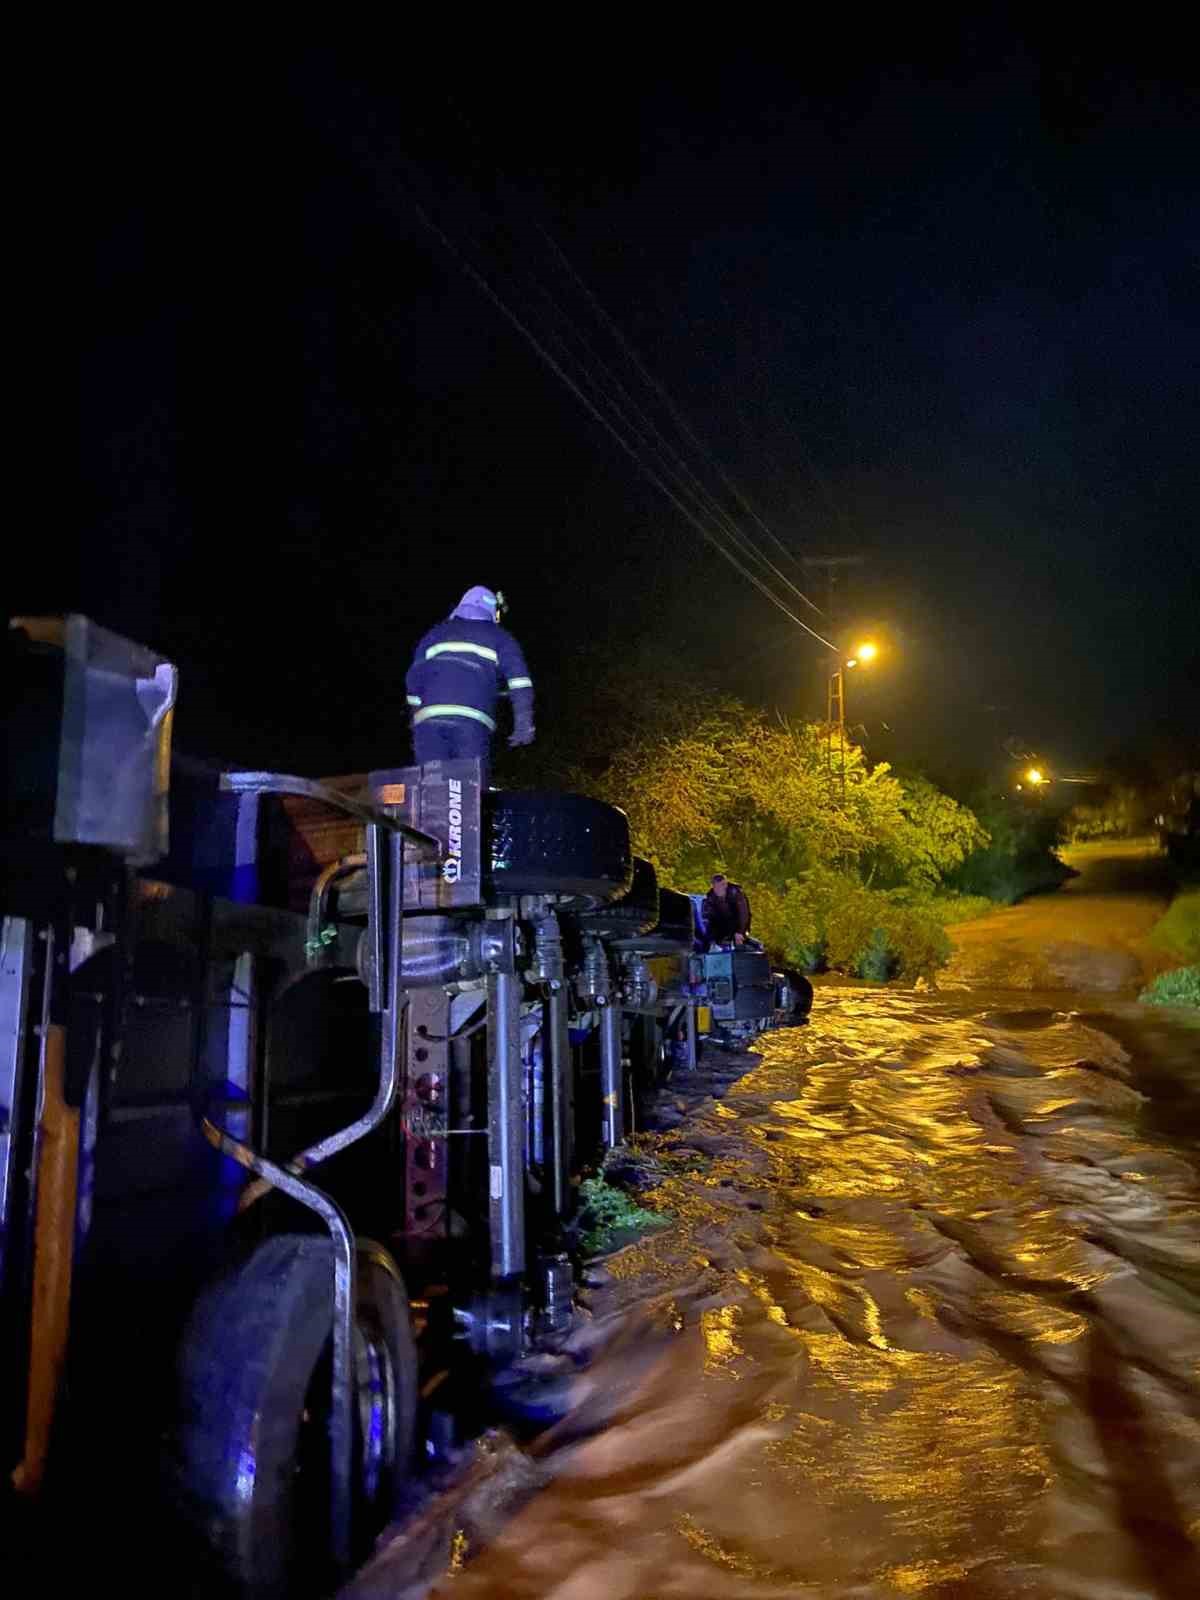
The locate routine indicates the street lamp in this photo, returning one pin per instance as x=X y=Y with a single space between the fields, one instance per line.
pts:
x=865 y=653
x=836 y=699
x=1034 y=777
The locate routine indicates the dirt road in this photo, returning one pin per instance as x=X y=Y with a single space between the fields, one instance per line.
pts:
x=1091 y=935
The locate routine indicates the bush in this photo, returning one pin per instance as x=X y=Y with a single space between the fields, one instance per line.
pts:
x=788 y=923
x=877 y=962
x=1179 y=930
x=1119 y=814
x=1178 y=988
x=952 y=908
x=830 y=919
x=609 y=1215
x=1019 y=858
x=917 y=943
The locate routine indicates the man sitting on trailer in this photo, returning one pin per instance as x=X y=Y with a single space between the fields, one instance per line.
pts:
x=725 y=913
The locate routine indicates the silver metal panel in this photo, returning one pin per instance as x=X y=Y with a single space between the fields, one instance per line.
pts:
x=115 y=749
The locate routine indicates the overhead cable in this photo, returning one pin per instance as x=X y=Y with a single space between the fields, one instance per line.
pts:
x=657 y=478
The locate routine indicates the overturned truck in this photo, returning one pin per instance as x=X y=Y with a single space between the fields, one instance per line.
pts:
x=296 y=1094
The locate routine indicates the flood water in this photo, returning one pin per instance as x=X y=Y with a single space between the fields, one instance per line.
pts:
x=927 y=1321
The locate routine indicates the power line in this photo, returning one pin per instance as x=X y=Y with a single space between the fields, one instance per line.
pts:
x=670 y=459
x=680 y=420
x=694 y=485
x=682 y=473
x=677 y=481
x=483 y=284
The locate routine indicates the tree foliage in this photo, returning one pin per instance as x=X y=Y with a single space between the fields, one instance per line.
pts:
x=1019 y=857
x=1119 y=813
x=846 y=864
x=931 y=838
x=839 y=857
x=772 y=801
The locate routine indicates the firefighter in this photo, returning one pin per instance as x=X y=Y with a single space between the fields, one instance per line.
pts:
x=459 y=670
x=725 y=912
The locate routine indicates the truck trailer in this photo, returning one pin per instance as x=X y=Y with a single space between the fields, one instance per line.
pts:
x=298 y=1082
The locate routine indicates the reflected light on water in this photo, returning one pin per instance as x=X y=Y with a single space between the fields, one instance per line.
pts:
x=931 y=1294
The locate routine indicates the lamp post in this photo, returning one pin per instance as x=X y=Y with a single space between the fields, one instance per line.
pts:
x=836 y=701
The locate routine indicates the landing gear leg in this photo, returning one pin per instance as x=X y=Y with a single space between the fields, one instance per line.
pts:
x=561 y=1107
x=612 y=1080
x=506 y=1128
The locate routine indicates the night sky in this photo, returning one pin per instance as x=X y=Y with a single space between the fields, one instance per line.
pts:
x=938 y=305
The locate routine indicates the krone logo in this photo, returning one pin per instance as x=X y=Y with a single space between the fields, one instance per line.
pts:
x=452 y=866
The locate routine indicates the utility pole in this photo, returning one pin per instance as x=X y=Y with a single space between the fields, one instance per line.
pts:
x=836 y=569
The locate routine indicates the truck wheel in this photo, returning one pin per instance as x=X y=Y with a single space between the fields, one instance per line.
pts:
x=540 y=842
x=674 y=931
x=636 y=912
x=251 y=1461
x=676 y=924
x=649 y=1062
x=802 y=991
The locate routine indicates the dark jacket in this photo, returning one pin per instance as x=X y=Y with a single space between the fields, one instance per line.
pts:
x=459 y=670
x=726 y=915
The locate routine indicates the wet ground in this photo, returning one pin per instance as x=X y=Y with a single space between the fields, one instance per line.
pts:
x=1092 y=935
x=926 y=1319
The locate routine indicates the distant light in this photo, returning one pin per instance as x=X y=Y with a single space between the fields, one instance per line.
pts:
x=867 y=652
x=853 y=662
x=1035 y=776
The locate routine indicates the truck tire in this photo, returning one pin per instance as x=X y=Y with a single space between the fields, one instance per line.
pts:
x=636 y=912
x=250 y=1467
x=569 y=845
x=649 y=1062
x=674 y=930
x=676 y=924
x=802 y=991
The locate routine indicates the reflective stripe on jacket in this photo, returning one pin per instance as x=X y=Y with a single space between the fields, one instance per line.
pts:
x=426 y=712
x=460 y=668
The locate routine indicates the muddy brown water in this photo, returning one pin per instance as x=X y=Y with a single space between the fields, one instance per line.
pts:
x=926 y=1321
